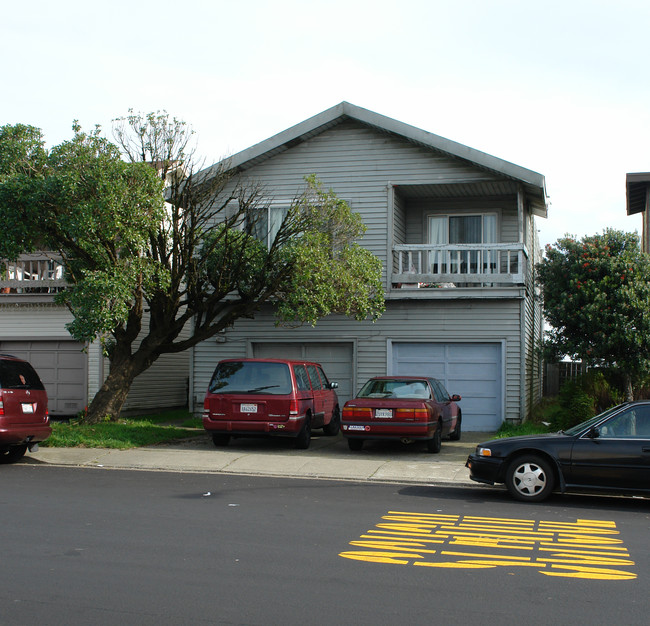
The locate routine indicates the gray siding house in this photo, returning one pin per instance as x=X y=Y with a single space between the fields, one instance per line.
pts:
x=33 y=327
x=455 y=230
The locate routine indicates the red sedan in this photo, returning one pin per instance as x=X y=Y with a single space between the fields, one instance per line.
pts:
x=409 y=408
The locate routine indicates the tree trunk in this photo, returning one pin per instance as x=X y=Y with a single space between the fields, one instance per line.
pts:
x=109 y=400
x=629 y=389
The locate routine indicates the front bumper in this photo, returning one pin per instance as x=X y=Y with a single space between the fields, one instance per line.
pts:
x=484 y=469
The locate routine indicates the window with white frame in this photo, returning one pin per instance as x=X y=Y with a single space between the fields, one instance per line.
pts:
x=443 y=229
x=264 y=223
x=459 y=229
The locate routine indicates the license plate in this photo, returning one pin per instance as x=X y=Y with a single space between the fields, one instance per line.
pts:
x=383 y=413
x=354 y=427
x=28 y=407
x=249 y=408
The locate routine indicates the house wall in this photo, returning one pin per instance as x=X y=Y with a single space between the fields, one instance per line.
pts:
x=366 y=167
x=164 y=385
x=422 y=321
x=361 y=164
x=534 y=325
x=418 y=210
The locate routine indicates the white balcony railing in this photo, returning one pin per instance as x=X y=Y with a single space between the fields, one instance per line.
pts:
x=32 y=274
x=459 y=265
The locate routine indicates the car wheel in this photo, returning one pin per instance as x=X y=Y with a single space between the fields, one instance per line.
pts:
x=220 y=440
x=530 y=478
x=12 y=454
x=355 y=444
x=455 y=435
x=434 y=445
x=304 y=436
x=334 y=426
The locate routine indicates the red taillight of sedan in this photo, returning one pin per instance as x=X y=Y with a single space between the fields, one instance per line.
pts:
x=420 y=414
x=357 y=412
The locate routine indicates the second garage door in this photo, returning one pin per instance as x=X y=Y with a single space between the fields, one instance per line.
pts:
x=336 y=359
x=473 y=370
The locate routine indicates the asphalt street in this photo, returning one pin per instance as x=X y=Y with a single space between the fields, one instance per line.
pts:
x=97 y=546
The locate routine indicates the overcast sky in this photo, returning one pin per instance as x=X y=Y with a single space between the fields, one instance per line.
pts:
x=556 y=86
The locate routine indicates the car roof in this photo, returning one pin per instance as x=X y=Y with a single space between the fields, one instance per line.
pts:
x=287 y=361
x=402 y=378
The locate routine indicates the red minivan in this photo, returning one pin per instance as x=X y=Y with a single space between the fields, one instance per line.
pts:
x=285 y=397
x=24 y=418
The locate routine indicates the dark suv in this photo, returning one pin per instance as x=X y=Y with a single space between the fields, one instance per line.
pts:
x=252 y=397
x=24 y=419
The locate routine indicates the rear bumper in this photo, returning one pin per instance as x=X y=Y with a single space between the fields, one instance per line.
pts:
x=288 y=428
x=20 y=434
x=382 y=430
x=485 y=469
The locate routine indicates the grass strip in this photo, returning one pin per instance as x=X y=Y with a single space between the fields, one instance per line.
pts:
x=125 y=433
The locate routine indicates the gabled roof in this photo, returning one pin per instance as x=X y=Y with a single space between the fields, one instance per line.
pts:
x=637 y=187
x=533 y=182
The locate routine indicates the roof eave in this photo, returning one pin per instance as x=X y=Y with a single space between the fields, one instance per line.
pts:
x=637 y=192
x=532 y=180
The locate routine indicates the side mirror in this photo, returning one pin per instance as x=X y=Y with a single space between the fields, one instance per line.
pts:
x=334 y=385
x=456 y=398
x=593 y=433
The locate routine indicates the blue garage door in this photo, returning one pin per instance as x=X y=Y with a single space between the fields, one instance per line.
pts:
x=473 y=370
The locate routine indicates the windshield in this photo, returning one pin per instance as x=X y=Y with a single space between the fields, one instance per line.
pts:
x=251 y=377
x=395 y=388
x=594 y=420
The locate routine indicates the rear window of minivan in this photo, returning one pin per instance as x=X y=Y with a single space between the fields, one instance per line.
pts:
x=251 y=377
x=18 y=375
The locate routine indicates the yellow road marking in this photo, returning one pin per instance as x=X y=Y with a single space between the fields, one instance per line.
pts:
x=588 y=549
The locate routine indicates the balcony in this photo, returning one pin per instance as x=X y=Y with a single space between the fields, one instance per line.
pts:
x=418 y=266
x=32 y=274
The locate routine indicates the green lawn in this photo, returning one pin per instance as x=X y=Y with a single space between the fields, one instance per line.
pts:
x=125 y=433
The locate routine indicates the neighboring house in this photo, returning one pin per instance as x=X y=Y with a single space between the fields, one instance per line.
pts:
x=637 y=188
x=455 y=230
x=32 y=326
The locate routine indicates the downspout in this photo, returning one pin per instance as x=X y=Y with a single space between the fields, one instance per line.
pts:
x=522 y=313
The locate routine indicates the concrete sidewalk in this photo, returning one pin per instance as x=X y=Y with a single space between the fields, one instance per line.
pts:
x=328 y=457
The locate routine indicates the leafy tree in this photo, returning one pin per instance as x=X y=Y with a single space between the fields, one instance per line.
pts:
x=597 y=301
x=155 y=238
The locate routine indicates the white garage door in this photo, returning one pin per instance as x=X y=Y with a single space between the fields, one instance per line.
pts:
x=336 y=359
x=472 y=370
x=61 y=365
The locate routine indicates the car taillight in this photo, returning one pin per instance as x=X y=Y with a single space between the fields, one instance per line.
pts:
x=357 y=412
x=2 y=407
x=293 y=407
x=418 y=414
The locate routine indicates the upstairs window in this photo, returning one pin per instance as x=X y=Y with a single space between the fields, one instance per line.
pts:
x=452 y=229
x=461 y=229
x=265 y=223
